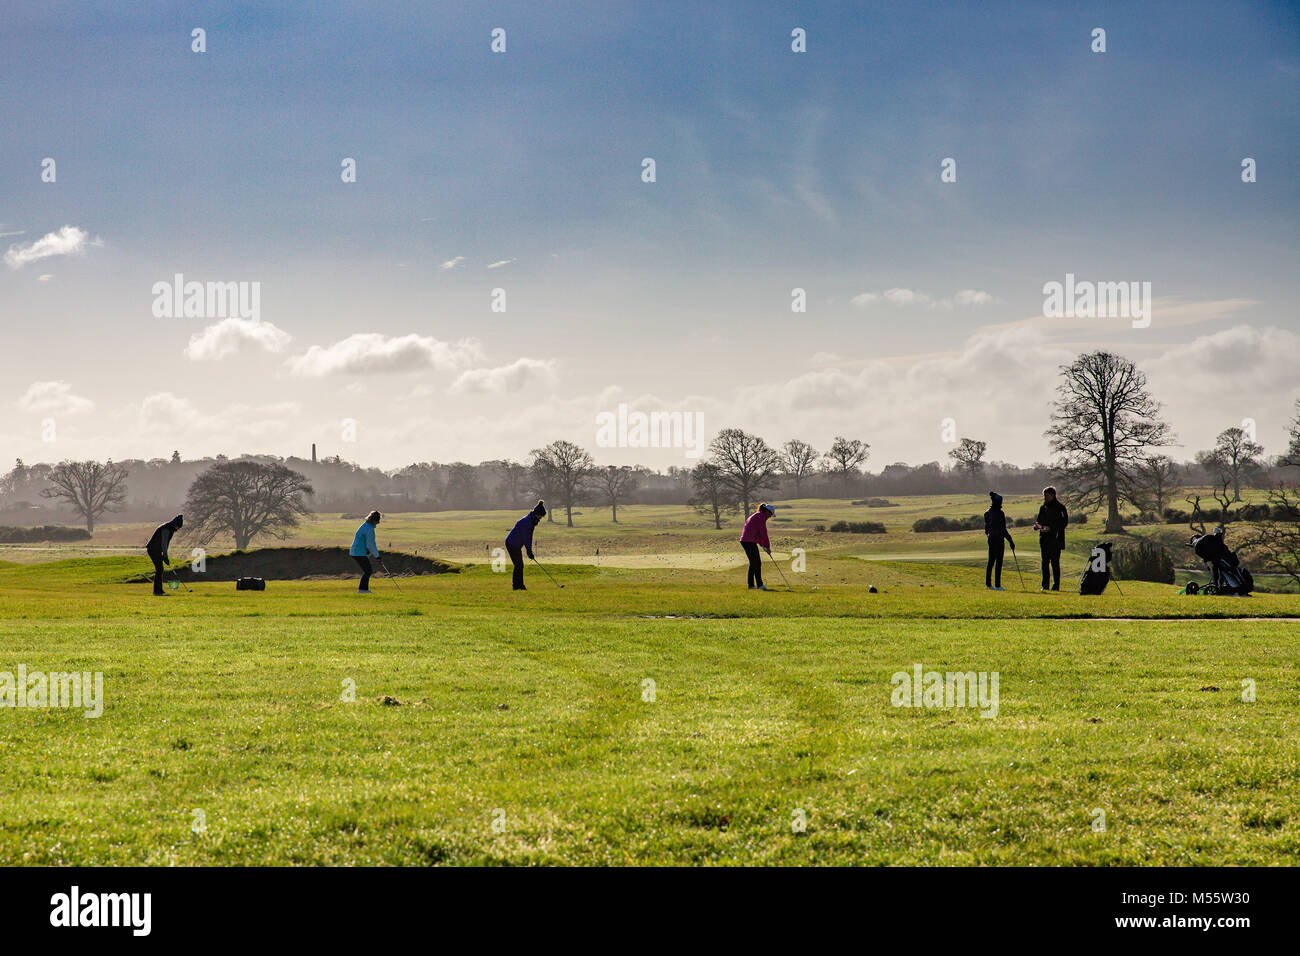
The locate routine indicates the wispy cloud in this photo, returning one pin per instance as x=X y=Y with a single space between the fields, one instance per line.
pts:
x=498 y=264
x=367 y=353
x=225 y=338
x=53 y=398
x=453 y=262
x=68 y=241
x=506 y=378
x=965 y=298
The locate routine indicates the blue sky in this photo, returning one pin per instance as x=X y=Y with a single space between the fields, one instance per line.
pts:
x=775 y=170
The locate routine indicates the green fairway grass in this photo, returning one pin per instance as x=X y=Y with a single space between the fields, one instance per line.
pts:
x=476 y=706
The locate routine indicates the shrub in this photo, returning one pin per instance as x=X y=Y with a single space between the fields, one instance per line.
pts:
x=876 y=503
x=1143 y=561
x=44 y=532
x=858 y=527
x=940 y=523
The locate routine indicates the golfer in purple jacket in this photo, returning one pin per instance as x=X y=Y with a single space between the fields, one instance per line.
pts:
x=520 y=539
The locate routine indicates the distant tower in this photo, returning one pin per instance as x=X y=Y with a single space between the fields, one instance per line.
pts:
x=313 y=452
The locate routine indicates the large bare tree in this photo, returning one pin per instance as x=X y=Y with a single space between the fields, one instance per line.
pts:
x=568 y=467
x=91 y=488
x=1104 y=424
x=798 y=461
x=245 y=499
x=969 y=457
x=748 y=464
x=844 y=457
x=1233 y=457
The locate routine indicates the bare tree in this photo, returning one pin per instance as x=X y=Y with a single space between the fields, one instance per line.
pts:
x=748 y=463
x=714 y=496
x=1277 y=538
x=1233 y=457
x=798 y=461
x=569 y=466
x=969 y=456
x=1221 y=495
x=1155 y=481
x=615 y=482
x=245 y=499
x=844 y=457
x=1104 y=424
x=89 y=487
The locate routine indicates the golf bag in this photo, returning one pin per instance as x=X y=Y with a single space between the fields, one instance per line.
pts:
x=250 y=584
x=1227 y=576
x=1094 y=581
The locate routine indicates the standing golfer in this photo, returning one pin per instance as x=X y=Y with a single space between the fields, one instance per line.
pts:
x=752 y=537
x=364 y=548
x=1050 y=525
x=995 y=527
x=157 y=547
x=520 y=539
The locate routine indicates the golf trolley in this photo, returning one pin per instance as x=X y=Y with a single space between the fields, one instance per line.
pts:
x=1227 y=576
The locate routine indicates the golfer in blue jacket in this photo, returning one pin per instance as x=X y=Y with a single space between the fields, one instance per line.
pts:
x=520 y=539
x=364 y=548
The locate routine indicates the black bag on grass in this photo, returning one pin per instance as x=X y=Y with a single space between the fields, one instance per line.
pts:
x=1095 y=579
x=250 y=584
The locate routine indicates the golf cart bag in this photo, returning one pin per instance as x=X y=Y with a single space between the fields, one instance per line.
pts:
x=1094 y=581
x=1227 y=576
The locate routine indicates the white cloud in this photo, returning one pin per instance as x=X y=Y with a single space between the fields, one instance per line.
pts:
x=905 y=297
x=966 y=298
x=53 y=398
x=506 y=378
x=68 y=241
x=500 y=263
x=452 y=262
x=225 y=338
x=1214 y=381
x=370 y=353
x=971 y=297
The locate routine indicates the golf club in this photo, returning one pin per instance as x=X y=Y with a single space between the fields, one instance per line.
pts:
x=1021 y=576
x=1115 y=577
x=545 y=572
x=389 y=574
x=780 y=572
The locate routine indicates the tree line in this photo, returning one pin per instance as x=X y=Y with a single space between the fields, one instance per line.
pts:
x=1106 y=431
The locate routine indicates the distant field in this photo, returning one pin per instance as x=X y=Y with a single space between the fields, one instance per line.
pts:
x=652 y=711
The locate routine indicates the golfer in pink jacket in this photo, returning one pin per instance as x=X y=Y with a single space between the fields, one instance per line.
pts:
x=752 y=538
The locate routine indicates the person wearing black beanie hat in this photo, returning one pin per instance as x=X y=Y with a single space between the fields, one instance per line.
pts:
x=995 y=529
x=520 y=539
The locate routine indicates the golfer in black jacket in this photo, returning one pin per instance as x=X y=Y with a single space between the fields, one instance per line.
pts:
x=995 y=527
x=1050 y=525
x=157 y=550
